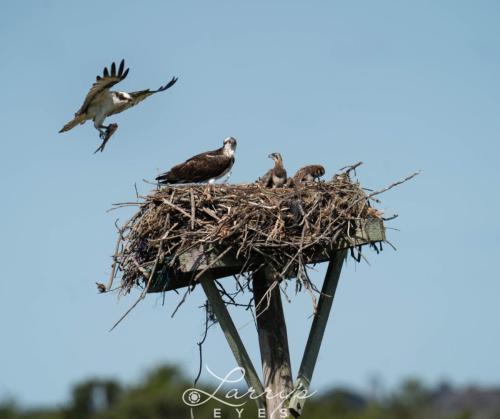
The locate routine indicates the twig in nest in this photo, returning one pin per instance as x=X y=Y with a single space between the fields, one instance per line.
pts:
x=351 y=168
x=267 y=297
x=198 y=276
x=150 y=183
x=113 y=266
x=202 y=341
x=392 y=185
x=136 y=191
x=308 y=285
x=145 y=290
x=183 y=300
x=193 y=210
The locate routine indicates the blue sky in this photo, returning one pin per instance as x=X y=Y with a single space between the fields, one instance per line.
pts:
x=399 y=85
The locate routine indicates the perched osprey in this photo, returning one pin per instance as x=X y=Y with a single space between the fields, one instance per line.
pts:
x=275 y=177
x=308 y=173
x=208 y=166
x=102 y=102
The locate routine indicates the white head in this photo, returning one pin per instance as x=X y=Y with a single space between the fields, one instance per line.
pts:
x=123 y=97
x=229 y=146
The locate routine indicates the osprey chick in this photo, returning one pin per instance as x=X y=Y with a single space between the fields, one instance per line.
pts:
x=208 y=166
x=101 y=102
x=275 y=177
x=308 y=173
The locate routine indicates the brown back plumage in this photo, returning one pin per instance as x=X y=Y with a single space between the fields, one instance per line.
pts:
x=202 y=167
x=308 y=173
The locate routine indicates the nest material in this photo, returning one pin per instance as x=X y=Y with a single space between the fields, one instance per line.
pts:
x=283 y=227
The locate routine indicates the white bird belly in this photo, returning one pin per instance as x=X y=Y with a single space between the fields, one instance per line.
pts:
x=100 y=108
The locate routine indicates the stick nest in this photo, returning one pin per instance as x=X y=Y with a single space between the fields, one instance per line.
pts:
x=281 y=227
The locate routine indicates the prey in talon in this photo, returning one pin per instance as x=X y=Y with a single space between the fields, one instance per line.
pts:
x=106 y=135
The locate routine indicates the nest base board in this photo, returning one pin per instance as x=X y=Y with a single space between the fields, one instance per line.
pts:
x=198 y=262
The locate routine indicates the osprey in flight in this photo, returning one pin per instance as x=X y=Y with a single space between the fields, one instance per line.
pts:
x=102 y=102
x=208 y=166
x=275 y=177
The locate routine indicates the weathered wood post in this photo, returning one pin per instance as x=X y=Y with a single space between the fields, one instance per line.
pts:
x=233 y=338
x=273 y=342
x=316 y=333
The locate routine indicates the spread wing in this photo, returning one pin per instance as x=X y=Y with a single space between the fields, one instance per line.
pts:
x=140 y=95
x=108 y=80
x=198 y=169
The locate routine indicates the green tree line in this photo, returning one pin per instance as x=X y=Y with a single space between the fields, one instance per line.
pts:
x=159 y=396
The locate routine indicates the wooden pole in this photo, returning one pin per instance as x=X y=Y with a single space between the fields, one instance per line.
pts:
x=316 y=333
x=233 y=338
x=273 y=342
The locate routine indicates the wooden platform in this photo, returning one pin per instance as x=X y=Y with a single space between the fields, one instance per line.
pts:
x=367 y=231
x=196 y=267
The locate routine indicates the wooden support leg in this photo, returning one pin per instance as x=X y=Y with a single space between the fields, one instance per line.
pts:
x=273 y=343
x=233 y=338
x=316 y=334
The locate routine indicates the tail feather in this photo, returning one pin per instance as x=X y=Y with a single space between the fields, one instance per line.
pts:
x=78 y=119
x=168 y=178
x=164 y=178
